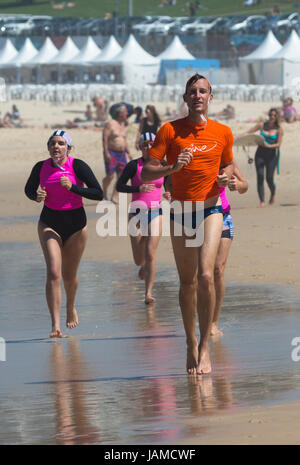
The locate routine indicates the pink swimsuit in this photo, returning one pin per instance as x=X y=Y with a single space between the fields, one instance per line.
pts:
x=58 y=197
x=150 y=200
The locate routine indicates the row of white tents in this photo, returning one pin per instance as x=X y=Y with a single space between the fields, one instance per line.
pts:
x=272 y=63
x=130 y=63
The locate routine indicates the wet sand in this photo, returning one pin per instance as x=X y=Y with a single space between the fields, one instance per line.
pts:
x=139 y=393
x=119 y=377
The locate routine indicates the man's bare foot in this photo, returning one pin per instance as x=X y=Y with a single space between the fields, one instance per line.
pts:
x=272 y=200
x=56 y=333
x=192 y=359
x=204 y=364
x=149 y=299
x=262 y=205
x=215 y=331
x=141 y=273
x=72 y=318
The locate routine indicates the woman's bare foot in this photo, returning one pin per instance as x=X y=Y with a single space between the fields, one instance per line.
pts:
x=262 y=204
x=149 y=299
x=72 y=318
x=204 y=364
x=192 y=358
x=272 y=200
x=215 y=330
x=56 y=332
x=141 y=273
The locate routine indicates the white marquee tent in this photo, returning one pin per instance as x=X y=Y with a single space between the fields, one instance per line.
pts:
x=134 y=65
x=110 y=50
x=52 y=70
x=176 y=50
x=89 y=51
x=46 y=53
x=283 y=68
x=251 y=66
x=8 y=52
x=12 y=69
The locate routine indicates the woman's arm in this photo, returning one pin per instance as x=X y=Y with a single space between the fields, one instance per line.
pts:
x=93 y=190
x=33 y=182
x=255 y=128
x=128 y=173
x=237 y=181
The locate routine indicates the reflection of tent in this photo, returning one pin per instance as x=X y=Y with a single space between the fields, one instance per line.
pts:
x=134 y=65
x=88 y=52
x=251 y=66
x=176 y=50
x=111 y=49
x=176 y=57
x=284 y=66
x=8 y=52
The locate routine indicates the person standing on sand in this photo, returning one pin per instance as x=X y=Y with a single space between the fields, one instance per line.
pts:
x=199 y=157
x=115 y=148
x=62 y=226
x=267 y=155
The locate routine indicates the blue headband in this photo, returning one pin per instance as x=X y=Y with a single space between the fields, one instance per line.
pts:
x=63 y=134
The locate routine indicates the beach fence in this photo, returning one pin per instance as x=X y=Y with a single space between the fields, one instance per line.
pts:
x=149 y=93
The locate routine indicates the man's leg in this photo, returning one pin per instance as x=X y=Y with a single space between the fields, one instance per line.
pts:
x=219 y=272
x=206 y=288
x=186 y=259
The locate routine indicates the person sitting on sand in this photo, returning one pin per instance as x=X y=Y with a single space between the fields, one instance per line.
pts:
x=288 y=112
x=227 y=113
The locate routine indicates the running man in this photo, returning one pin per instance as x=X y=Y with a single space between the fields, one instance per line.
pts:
x=199 y=157
x=115 y=148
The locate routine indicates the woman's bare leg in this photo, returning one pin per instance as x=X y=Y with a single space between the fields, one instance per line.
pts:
x=219 y=272
x=152 y=242
x=51 y=245
x=71 y=255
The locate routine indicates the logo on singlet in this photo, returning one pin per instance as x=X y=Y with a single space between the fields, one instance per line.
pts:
x=201 y=148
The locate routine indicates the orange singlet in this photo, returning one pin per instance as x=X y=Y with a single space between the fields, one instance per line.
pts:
x=211 y=146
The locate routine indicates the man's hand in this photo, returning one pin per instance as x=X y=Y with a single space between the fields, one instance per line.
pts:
x=222 y=179
x=184 y=158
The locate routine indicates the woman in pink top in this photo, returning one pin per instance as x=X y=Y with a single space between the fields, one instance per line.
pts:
x=236 y=183
x=62 y=226
x=146 y=205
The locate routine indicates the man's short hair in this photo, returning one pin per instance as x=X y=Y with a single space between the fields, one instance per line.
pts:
x=195 y=78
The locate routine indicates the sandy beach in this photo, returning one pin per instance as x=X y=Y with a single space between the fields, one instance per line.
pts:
x=265 y=249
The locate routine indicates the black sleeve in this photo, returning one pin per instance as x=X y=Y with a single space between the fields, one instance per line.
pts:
x=93 y=190
x=33 y=181
x=128 y=173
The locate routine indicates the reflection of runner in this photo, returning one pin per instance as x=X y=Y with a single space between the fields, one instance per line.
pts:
x=62 y=227
x=236 y=183
x=196 y=148
x=146 y=199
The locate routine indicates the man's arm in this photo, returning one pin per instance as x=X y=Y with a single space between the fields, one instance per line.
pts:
x=106 y=132
x=152 y=169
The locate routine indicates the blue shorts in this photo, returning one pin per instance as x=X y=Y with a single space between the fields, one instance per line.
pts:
x=151 y=213
x=228 y=228
x=206 y=212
